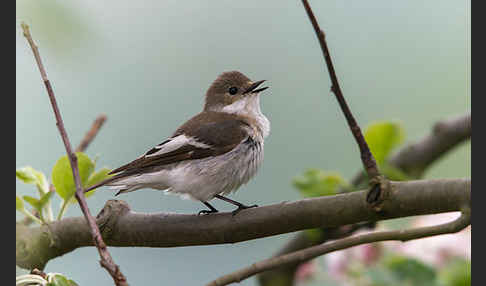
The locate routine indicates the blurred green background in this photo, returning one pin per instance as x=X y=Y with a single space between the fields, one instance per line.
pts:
x=147 y=65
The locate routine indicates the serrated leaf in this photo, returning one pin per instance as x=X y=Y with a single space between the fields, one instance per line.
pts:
x=34 y=202
x=315 y=183
x=19 y=203
x=62 y=175
x=382 y=137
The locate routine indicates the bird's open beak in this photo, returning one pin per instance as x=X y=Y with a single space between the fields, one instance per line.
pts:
x=253 y=86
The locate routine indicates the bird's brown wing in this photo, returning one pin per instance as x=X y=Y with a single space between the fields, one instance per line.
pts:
x=206 y=134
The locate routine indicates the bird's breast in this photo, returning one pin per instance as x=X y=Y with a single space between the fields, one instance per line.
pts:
x=252 y=158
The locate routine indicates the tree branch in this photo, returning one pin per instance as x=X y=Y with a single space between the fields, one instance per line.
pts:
x=414 y=159
x=122 y=227
x=303 y=255
x=91 y=134
x=367 y=158
x=106 y=260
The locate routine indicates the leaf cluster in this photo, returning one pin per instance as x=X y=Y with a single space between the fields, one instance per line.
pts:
x=62 y=184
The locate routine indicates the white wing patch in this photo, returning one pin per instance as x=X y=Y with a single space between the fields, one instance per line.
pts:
x=175 y=143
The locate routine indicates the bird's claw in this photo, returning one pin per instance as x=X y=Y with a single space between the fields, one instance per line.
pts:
x=242 y=207
x=206 y=212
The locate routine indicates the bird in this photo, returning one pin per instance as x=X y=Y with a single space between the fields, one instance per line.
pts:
x=210 y=155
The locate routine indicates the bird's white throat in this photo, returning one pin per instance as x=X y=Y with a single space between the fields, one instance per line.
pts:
x=250 y=106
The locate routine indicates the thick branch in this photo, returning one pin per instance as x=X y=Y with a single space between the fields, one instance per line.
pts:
x=122 y=227
x=303 y=255
x=414 y=159
x=106 y=260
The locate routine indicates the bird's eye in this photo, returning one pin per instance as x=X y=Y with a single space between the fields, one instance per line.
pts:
x=233 y=90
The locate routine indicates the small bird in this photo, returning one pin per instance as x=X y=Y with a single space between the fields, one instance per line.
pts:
x=210 y=155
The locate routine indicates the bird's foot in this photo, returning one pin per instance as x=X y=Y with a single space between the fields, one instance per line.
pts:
x=211 y=209
x=207 y=212
x=242 y=207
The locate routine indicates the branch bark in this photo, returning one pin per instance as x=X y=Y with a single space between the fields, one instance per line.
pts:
x=121 y=227
x=106 y=260
x=414 y=159
x=303 y=255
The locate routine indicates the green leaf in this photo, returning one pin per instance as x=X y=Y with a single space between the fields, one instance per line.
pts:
x=33 y=202
x=315 y=183
x=59 y=280
x=456 y=273
x=26 y=175
x=411 y=270
x=38 y=204
x=42 y=183
x=19 y=203
x=393 y=173
x=45 y=198
x=97 y=177
x=62 y=175
x=382 y=137
x=21 y=208
x=30 y=175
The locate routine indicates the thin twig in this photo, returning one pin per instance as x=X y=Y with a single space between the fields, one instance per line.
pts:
x=91 y=134
x=302 y=255
x=106 y=260
x=366 y=157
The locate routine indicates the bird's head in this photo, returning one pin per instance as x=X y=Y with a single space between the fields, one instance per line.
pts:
x=233 y=92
